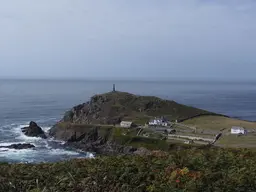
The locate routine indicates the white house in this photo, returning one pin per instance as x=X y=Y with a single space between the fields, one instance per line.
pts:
x=126 y=124
x=238 y=130
x=159 y=122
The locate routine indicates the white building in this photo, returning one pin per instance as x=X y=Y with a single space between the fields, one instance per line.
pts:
x=238 y=130
x=158 y=122
x=126 y=124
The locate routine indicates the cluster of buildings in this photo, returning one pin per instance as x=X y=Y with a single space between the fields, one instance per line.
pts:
x=159 y=122
x=162 y=121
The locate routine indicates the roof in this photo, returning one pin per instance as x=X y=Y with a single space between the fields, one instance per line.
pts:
x=159 y=119
x=126 y=122
x=237 y=128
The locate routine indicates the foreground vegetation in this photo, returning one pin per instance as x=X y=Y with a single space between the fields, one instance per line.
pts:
x=186 y=170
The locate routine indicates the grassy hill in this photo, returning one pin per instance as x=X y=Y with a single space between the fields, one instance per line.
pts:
x=112 y=107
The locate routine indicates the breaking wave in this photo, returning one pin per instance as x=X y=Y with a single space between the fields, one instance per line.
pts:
x=46 y=150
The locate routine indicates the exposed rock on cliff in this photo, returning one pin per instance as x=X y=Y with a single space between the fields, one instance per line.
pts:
x=90 y=138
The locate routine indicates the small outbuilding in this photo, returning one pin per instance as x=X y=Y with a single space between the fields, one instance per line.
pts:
x=189 y=142
x=238 y=130
x=126 y=124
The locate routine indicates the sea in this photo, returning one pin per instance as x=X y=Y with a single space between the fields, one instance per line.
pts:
x=45 y=102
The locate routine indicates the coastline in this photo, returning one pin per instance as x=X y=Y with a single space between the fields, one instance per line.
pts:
x=136 y=158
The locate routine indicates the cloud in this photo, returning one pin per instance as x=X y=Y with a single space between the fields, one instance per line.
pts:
x=127 y=39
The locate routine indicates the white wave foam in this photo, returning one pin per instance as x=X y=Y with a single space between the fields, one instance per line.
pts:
x=57 y=141
x=32 y=155
x=23 y=155
x=26 y=138
x=46 y=129
x=3 y=149
x=22 y=136
x=16 y=129
x=43 y=151
x=88 y=156
x=91 y=156
x=12 y=128
x=62 y=152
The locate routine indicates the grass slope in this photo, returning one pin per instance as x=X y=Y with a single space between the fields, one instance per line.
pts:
x=215 y=124
x=185 y=170
x=218 y=123
x=103 y=108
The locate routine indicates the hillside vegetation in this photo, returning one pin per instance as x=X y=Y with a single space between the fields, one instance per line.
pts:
x=186 y=170
x=112 y=107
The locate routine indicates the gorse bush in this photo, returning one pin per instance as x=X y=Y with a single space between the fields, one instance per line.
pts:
x=186 y=170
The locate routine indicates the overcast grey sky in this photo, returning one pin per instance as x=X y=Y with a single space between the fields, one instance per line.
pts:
x=160 y=39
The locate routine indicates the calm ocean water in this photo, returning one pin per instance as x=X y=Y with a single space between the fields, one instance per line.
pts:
x=46 y=101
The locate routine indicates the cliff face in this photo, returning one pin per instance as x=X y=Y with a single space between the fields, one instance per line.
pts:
x=113 y=107
x=107 y=140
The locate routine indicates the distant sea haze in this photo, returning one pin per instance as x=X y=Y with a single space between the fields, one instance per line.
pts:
x=45 y=102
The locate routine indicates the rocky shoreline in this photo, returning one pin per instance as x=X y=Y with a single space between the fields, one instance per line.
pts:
x=92 y=142
x=19 y=146
x=87 y=142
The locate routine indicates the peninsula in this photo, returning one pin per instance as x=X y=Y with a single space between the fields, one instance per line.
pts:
x=97 y=125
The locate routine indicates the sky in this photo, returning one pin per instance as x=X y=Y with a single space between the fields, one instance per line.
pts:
x=128 y=39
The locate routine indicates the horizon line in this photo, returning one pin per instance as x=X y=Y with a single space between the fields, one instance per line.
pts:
x=128 y=79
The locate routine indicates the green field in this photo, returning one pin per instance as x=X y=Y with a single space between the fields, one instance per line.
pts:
x=212 y=125
x=218 y=123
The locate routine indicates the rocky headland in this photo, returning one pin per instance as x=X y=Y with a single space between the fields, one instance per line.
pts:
x=93 y=126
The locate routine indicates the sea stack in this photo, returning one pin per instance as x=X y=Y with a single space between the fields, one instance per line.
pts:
x=33 y=130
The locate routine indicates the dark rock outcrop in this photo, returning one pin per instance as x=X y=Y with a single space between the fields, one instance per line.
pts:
x=89 y=138
x=33 y=130
x=19 y=146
